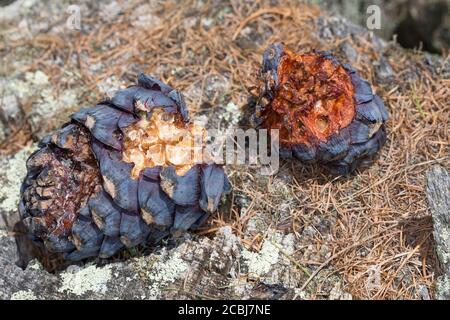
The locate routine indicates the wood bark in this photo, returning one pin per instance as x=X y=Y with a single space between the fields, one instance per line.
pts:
x=438 y=195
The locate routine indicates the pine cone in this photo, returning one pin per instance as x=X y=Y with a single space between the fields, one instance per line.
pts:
x=120 y=174
x=324 y=111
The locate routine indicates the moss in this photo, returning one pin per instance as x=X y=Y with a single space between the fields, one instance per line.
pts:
x=79 y=281
x=13 y=172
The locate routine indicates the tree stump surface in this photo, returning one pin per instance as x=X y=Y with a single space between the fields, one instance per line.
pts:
x=438 y=195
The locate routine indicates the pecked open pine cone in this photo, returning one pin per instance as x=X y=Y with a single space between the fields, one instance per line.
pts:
x=324 y=111
x=122 y=173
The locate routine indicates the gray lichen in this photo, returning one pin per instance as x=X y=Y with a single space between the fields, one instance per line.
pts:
x=231 y=114
x=443 y=288
x=165 y=271
x=271 y=264
x=47 y=106
x=260 y=263
x=338 y=294
x=23 y=295
x=13 y=172
x=91 y=278
x=159 y=270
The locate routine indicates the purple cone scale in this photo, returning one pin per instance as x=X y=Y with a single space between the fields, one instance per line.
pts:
x=324 y=111
x=114 y=176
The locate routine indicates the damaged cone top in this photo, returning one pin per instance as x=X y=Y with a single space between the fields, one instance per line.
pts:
x=324 y=111
x=125 y=172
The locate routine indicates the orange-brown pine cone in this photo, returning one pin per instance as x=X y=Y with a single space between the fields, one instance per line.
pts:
x=324 y=111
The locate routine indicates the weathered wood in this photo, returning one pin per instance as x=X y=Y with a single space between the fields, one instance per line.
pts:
x=438 y=195
x=196 y=268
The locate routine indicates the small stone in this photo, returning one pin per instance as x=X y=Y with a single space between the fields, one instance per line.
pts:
x=423 y=292
x=349 y=52
x=383 y=70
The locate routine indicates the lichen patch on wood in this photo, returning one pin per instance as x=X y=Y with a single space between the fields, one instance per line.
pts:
x=80 y=281
x=13 y=170
x=23 y=295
